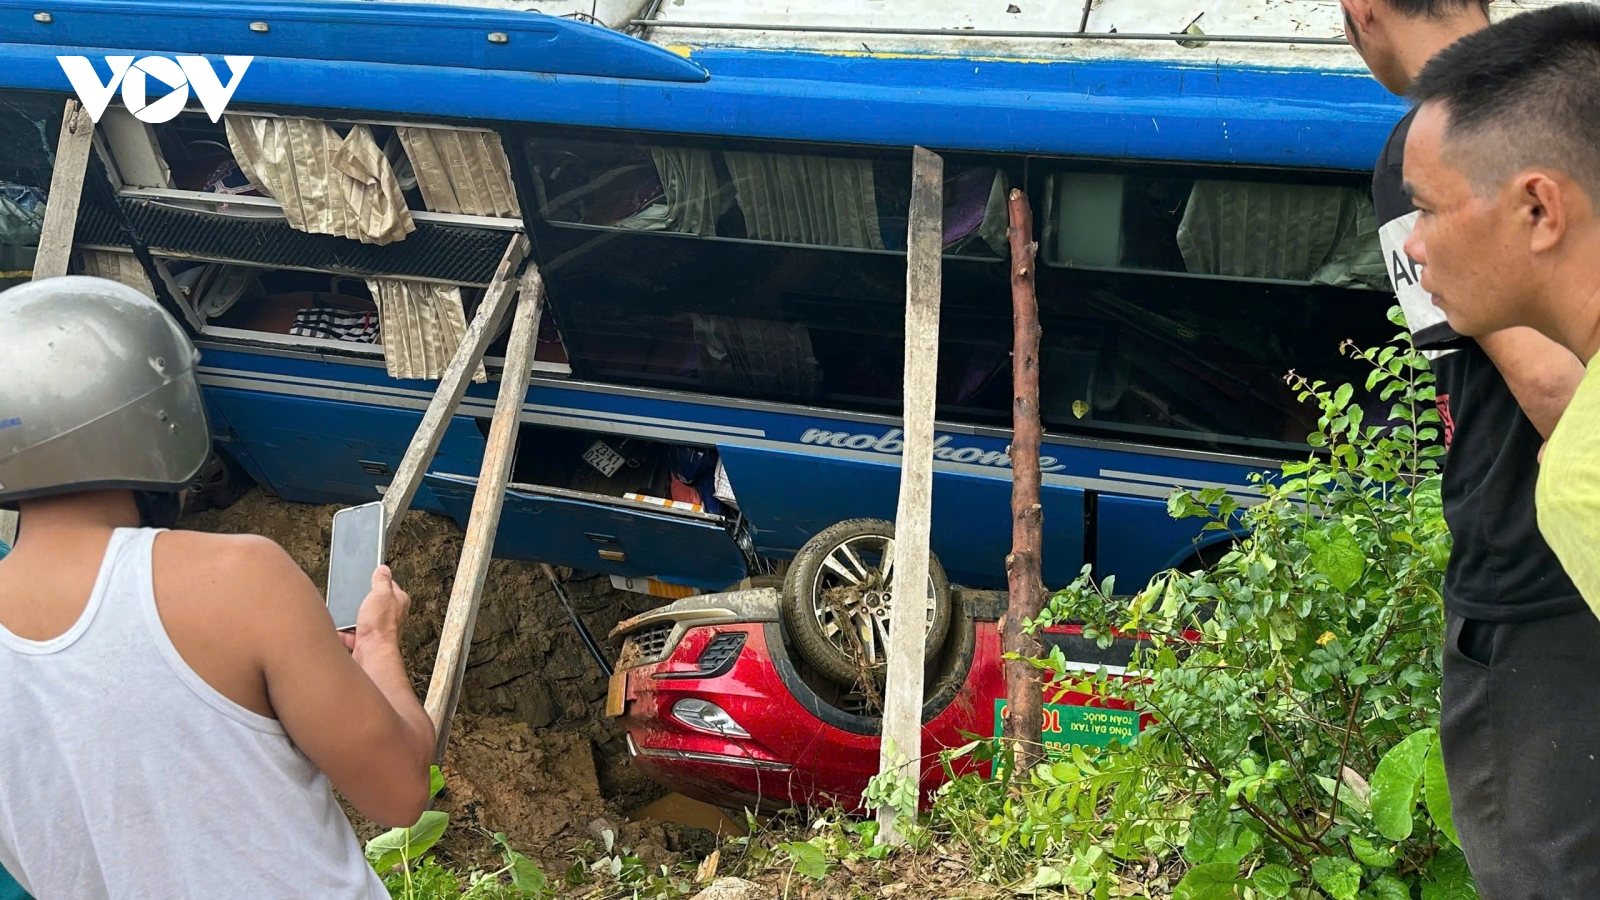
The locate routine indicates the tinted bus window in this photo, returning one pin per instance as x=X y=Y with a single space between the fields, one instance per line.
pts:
x=1216 y=227
x=29 y=127
x=776 y=272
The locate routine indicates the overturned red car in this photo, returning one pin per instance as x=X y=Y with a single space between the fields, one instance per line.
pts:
x=764 y=698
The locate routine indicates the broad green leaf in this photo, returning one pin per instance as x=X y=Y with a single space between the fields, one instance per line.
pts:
x=1370 y=854
x=1395 y=785
x=1047 y=877
x=405 y=844
x=1202 y=842
x=1336 y=554
x=1338 y=875
x=1341 y=397
x=435 y=781
x=1389 y=888
x=1273 y=881
x=526 y=876
x=1210 y=881
x=868 y=832
x=1212 y=839
x=1448 y=878
x=1436 y=792
x=808 y=859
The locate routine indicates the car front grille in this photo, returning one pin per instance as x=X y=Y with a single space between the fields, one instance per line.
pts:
x=647 y=645
x=720 y=654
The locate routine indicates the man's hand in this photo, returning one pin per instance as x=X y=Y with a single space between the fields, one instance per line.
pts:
x=382 y=615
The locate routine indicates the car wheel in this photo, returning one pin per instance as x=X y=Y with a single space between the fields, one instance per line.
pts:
x=837 y=596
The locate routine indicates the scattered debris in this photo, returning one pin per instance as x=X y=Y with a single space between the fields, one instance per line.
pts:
x=732 y=889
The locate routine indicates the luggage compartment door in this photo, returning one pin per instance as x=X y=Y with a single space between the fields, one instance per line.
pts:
x=599 y=533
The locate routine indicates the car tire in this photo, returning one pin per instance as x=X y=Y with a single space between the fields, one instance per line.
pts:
x=853 y=545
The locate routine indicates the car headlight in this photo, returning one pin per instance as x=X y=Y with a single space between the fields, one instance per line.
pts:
x=707 y=716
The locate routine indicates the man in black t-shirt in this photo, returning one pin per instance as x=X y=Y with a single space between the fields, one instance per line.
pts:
x=1521 y=692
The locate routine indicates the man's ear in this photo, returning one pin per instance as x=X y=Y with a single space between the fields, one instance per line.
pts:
x=1360 y=12
x=1542 y=205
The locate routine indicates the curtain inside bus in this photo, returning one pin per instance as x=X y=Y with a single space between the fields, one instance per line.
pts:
x=819 y=200
x=326 y=183
x=119 y=267
x=1287 y=232
x=422 y=324
x=460 y=171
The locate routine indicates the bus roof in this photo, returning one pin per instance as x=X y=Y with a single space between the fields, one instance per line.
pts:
x=1207 y=101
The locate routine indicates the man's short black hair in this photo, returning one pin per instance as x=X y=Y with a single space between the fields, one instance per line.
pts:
x=1436 y=9
x=1523 y=92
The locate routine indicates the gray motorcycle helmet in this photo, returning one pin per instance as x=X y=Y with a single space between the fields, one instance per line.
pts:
x=97 y=391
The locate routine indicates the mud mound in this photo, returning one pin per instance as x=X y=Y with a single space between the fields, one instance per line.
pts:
x=540 y=788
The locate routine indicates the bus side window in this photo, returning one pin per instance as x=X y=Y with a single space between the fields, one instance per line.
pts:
x=1209 y=288
x=1174 y=300
x=29 y=127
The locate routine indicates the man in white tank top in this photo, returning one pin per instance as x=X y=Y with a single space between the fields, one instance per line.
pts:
x=175 y=708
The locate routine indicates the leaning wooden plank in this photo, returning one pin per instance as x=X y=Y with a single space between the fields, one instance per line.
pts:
x=461 y=615
x=66 y=189
x=1024 y=686
x=453 y=385
x=901 y=749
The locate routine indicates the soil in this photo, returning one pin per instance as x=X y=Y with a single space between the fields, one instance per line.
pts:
x=531 y=752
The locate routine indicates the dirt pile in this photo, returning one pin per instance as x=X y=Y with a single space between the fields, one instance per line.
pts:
x=531 y=752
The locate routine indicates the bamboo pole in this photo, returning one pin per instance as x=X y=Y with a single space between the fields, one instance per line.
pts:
x=450 y=667
x=453 y=386
x=1024 y=688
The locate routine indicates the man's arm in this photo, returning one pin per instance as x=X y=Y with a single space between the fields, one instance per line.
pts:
x=354 y=714
x=1541 y=373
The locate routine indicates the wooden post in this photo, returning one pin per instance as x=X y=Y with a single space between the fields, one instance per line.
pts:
x=908 y=625
x=66 y=190
x=453 y=385
x=1024 y=689
x=444 y=690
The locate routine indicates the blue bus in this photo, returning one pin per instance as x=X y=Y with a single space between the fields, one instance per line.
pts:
x=715 y=195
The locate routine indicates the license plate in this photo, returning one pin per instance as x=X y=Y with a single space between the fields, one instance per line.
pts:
x=617 y=693
x=605 y=460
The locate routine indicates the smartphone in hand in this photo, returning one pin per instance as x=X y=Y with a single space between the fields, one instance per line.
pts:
x=359 y=534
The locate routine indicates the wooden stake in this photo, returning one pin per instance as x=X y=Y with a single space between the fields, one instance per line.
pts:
x=66 y=191
x=444 y=691
x=1024 y=688
x=453 y=385
x=1023 y=684
x=901 y=748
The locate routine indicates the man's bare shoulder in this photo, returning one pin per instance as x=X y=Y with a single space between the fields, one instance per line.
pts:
x=247 y=565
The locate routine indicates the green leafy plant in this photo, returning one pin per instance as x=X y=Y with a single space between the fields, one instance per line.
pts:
x=807 y=857
x=421 y=877
x=1302 y=664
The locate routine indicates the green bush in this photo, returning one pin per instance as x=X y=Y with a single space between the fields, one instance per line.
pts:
x=1294 y=687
